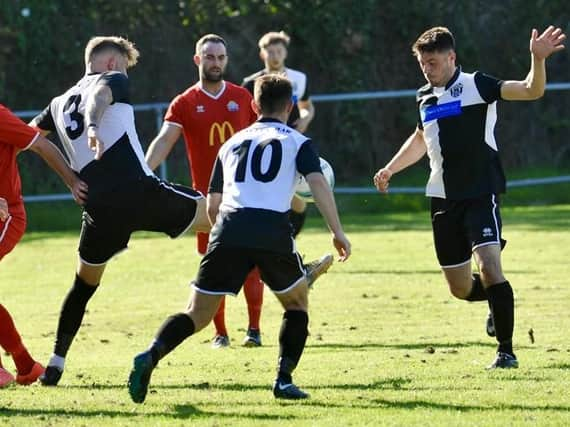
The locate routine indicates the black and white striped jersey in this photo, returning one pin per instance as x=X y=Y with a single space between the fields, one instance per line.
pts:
x=123 y=155
x=256 y=171
x=458 y=123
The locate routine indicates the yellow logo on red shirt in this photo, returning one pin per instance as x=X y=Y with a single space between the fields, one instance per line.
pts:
x=224 y=131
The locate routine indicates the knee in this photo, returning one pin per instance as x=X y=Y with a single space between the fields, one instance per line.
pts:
x=491 y=272
x=459 y=292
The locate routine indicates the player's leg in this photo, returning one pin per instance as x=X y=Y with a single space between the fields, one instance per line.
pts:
x=28 y=369
x=221 y=272
x=501 y=302
x=11 y=231
x=73 y=309
x=297 y=214
x=483 y=222
x=285 y=275
x=100 y=240
x=253 y=291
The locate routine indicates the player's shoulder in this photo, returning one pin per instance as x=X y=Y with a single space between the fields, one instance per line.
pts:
x=251 y=78
x=296 y=76
x=236 y=90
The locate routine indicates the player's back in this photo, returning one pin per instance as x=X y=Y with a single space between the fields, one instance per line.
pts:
x=259 y=166
x=123 y=157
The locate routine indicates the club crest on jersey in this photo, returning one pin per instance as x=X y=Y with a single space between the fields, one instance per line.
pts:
x=200 y=109
x=456 y=90
x=232 y=106
x=487 y=232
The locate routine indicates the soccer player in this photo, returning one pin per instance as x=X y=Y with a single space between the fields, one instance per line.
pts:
x=457 y=115
x=207 y=114
x=95 y=122
x=249 y=197
x=16 y=136
x=273 y=48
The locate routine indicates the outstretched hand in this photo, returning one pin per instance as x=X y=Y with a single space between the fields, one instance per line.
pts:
x=549 y=42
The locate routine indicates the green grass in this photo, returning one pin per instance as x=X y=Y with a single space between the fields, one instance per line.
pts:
x=374 y=322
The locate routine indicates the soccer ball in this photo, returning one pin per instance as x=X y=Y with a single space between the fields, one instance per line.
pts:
x=302 y=188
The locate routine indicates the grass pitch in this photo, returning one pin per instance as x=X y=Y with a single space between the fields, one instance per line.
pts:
x=388 y=344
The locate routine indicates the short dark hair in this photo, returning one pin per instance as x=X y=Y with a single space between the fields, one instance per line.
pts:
x=274 y=37
x=436 y=39
x=212 y=38
x=272 y=92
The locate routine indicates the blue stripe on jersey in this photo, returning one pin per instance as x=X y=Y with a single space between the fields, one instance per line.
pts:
x=441 y=111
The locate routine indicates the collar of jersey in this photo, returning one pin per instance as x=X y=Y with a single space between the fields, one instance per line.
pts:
x=209 y=94
x=269 y=119
x=453 y=78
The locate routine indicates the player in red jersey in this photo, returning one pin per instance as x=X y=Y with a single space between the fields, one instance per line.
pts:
x=207 y=114
x=16 y=136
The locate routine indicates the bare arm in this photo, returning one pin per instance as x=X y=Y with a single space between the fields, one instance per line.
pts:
x=162 y=145
x=306 y=114
x=324 y=200
x=53 y=157
x=97 y=102
x=214 y=202
x=411 y=151
x=541 y=47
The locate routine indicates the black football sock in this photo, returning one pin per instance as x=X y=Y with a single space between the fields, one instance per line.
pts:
x=297 y=220
x=71 y=315
x=292 y=338
x=477 y=292
x=172 y=333
x=501 y=301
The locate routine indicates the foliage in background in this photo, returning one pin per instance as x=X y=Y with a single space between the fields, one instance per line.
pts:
x=343 y=46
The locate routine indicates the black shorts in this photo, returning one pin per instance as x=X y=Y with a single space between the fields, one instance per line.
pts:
x=224 y=269
x=149 y=204
x=461 y=226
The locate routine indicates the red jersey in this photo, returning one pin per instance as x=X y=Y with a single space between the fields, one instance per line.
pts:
x=15 y=136
x=207 y=122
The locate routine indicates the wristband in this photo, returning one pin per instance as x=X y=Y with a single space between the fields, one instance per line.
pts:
x=91 y=125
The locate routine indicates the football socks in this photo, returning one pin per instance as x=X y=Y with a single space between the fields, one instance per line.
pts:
x=292 y=338
x=477 y=292
x=502 y=304
x=72 y=312
x=173 y=331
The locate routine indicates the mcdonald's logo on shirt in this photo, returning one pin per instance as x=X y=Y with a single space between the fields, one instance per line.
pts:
x=224 y=131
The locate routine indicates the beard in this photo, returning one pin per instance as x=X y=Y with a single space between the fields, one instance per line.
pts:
x=213 y=76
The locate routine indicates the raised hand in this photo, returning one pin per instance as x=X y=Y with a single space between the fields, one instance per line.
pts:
x=549 y=42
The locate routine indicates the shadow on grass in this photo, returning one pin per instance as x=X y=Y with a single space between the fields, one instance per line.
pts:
x=180 y=412
x=404 y=346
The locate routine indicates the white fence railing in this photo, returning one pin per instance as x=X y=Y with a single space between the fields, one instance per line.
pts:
x=160 y=107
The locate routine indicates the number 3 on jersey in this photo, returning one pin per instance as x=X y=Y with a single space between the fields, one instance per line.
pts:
x=73 y=118
x=242 y=151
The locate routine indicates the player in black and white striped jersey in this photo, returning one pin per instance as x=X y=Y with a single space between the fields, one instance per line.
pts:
x=95 y=122
x=456 y=120
x=249 y=199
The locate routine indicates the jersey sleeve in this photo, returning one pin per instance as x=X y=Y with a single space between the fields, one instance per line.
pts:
x=119 y=85
x=13 y=131
x=252 y=113
x=420 y=124
x=217 y=178
x=489 y=87
x=308 y=159
x=307 y=93
x=175 y=113
x=44 y=120
x=248 y=84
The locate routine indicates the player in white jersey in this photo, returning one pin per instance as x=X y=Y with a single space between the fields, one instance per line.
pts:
x=248 y=203
x=95 y=122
